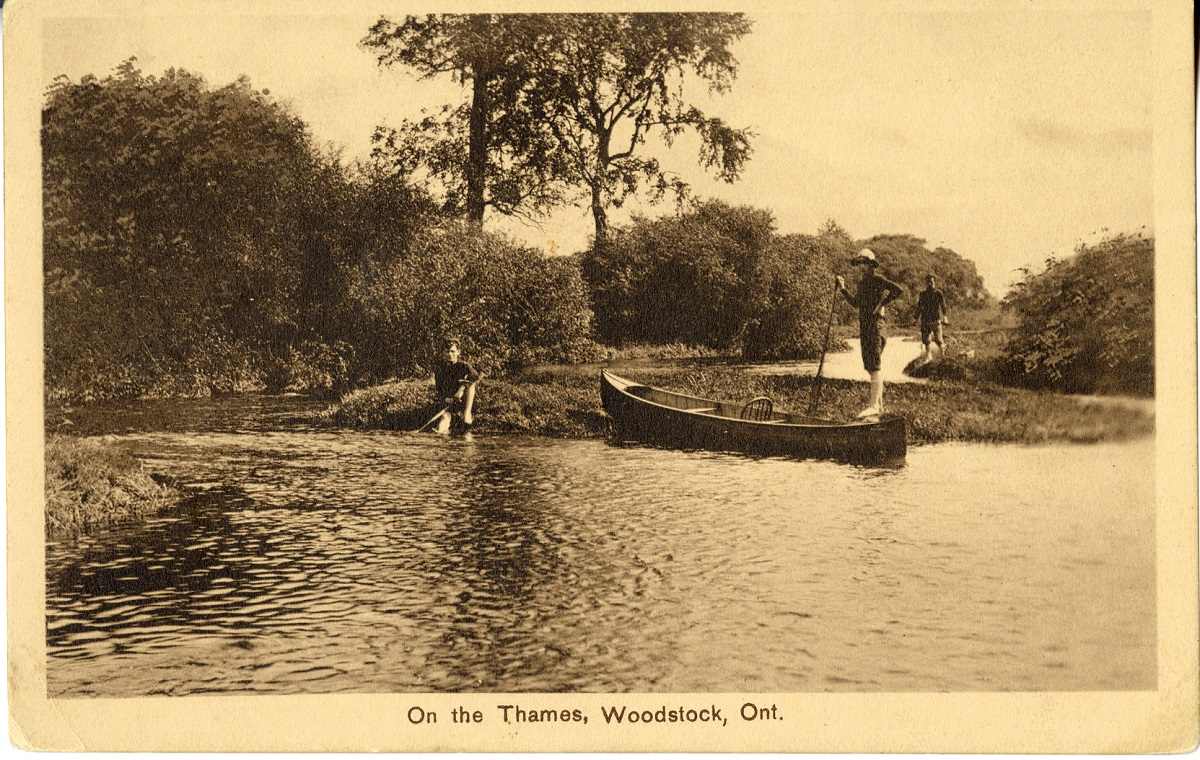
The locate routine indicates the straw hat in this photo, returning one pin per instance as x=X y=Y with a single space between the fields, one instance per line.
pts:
x=864 y=255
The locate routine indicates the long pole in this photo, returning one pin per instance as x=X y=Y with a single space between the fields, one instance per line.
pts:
x=816 y=394
x=432 y=419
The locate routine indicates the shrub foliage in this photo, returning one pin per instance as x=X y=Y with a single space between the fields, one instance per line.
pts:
x=715 y=276
x=1086 y=323
x=196 y=240
x=507 y=305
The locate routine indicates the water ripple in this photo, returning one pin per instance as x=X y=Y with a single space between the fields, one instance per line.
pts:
x=320 y=562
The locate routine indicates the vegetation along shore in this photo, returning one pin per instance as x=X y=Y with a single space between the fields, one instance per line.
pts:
x=569 y=406
x=89 y=486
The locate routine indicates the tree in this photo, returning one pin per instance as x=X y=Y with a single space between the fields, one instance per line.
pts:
x=196 y=240
x=510 y=162
x=906 y=260
x=607 y=82
x=507 y=304
x=164 y=243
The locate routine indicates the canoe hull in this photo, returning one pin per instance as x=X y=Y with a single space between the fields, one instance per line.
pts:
x=635 y=418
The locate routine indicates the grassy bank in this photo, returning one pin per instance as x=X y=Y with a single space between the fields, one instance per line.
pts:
x=655 y=351
x=942 y=411
x=89 y=486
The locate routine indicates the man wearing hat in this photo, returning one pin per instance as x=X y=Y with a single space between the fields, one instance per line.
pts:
x=874 y=293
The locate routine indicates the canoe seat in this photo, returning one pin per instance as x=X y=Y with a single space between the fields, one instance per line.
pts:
x=759 y=409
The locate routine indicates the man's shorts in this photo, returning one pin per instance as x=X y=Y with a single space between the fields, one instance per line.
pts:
x=931 y=331
x=873 y=342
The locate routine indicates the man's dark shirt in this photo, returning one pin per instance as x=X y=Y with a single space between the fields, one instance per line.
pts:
x=931 y=306
x=873 y=291
x=448 y=377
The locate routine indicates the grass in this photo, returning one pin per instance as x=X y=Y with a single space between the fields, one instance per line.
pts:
x=657 y=351
x=89 y=486
x=940 y=411
x=972 y=356
x=565 y=407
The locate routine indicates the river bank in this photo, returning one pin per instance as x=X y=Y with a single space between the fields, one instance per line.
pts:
x=569 y=406
x=89 y=485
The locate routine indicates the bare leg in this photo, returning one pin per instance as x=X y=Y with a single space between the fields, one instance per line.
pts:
x=469 y=405
x=443 y=424
x=874 y=398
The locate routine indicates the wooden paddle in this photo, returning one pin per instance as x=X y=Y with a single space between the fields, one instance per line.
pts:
x=816 y=394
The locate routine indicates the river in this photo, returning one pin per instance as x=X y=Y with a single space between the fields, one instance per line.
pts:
x=309 y=560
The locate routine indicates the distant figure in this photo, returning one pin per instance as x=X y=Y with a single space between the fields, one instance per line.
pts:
x=931 y=311
x=455 y=381
x=874 y=293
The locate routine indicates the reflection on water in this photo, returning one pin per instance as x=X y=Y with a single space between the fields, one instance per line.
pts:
x=317 y=561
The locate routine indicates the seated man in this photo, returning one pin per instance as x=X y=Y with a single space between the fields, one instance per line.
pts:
x=455 y=381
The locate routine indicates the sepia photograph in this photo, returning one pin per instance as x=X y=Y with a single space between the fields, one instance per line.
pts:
x=786 y=352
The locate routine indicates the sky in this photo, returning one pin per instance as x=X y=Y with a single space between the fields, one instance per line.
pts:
x=1007 y=135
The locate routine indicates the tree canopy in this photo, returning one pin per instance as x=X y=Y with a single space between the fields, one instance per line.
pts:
x=906 y=259
x=716 y=275
x=561 y=105
x=161 y=196
x=608 y=82
x=491 y=151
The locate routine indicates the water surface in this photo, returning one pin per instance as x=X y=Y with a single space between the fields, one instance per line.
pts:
x=323 y=561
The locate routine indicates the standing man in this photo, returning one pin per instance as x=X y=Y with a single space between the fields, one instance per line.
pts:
x=874 y=293
x=455 y=381
x=931 y=310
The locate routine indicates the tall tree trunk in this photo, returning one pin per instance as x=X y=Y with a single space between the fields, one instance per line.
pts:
x=600 y=214
x=477 y=158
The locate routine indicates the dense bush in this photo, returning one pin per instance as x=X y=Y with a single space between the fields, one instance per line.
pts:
x=507 y=305
x=196 y=241
x=1086 y=323
x=790 y=299
x=679 y=279
x=311 y=366
x=715 y=276
x=719 y=276
x=165 y=258
x=906 y=260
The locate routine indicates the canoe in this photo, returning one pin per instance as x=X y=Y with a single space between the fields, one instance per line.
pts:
x=643 y=413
